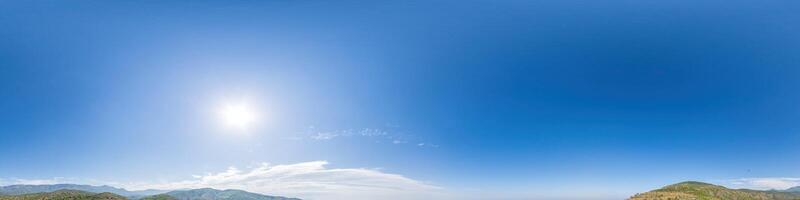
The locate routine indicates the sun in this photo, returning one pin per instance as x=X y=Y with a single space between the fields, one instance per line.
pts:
x=238 y=115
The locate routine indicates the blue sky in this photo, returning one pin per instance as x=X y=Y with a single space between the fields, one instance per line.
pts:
x=502 y=99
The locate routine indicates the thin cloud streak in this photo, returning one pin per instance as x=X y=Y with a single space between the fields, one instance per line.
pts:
x=308 y=180
x=768 y=183
x=381 y=135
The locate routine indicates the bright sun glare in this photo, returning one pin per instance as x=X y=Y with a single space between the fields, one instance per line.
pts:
x=239 y=115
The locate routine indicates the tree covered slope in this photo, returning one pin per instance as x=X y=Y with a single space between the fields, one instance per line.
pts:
x=65 y=195
x=213 y=194
x=28 y=189
x=704 y=191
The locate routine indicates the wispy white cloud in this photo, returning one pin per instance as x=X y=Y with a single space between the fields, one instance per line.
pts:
x=427 y=145
x=325 y=136
x=378 y=134
x=17 y=181
x=778 y=183
x=365 y=132
x=308 y=180
x=370 y=132
x=50 y=181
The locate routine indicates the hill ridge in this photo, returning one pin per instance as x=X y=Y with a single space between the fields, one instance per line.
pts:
x=226 y=194
x=22 y=192
x=695 y=190
x=19 y=189
x=65 y=194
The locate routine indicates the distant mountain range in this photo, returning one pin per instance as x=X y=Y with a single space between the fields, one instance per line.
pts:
x=795 y=189
x=212 y=194
x=703 y=191
x=27 y=189
x=81 y=192
x=65 y=195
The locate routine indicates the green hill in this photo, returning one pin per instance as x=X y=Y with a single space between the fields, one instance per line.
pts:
x=80 y=192
x=159 y=197
x=703 y=191
x=65 y=195
x=212 y=194
x=29 y=189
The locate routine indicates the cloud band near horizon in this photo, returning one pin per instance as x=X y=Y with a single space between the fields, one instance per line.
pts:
x=307 y=180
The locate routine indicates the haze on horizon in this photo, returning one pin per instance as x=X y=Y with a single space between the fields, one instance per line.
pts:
x=401 y=99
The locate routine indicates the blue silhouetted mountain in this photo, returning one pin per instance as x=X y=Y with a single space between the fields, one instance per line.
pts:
x=28 y=189
x=68 y=191
x=795 y=189
x=213 y=194
x=64 y=195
